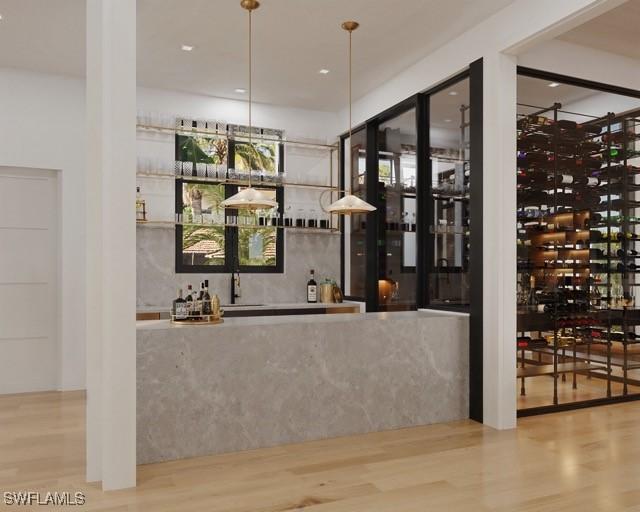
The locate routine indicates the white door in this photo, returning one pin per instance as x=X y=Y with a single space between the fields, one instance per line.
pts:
x=29 y=293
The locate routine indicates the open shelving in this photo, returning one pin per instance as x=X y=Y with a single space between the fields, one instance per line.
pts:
x=257 y=182
x=231 y=135
x=299 y=229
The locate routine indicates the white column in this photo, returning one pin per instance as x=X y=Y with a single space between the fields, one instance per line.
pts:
x=499 y=240
x=111 y=243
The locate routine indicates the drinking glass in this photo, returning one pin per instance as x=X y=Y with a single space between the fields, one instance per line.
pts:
x=301 y=222
x=312 y=221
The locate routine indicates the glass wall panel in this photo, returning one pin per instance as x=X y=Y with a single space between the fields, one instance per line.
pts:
x=450 y=177
x=356 y=232
x=578 y=176
x=397 y=201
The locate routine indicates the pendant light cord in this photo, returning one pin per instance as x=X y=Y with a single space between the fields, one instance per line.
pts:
x=350 y=124
x=250 y=98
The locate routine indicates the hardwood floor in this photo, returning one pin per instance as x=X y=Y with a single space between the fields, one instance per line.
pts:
x=587 y=460
x=539 y=390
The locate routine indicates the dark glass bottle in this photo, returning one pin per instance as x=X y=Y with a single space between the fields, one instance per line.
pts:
x=180 y=311
x=206 y=299
x=312 y=288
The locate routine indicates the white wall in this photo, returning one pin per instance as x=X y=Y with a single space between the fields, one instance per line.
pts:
x=43 y=126
x=579 y=61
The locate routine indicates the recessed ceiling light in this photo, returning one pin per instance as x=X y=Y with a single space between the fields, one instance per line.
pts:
x=453 y=93
x=240 y=90
x=186 y=48
x=447 y=120
x=554 y=84
x=323 y=71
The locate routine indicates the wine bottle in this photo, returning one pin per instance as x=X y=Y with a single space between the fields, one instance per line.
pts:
x=565 y=124
x=528 y=159
x=189 y=298
x=629 y=267
x=206 y=299
x=588 y=163
x=589 y=147
x=599 y=267
x=590 y=129
x=620 y=236
x=621 y=253
x=619 y=137
x=530 y=177
x=537 y=197
x=197 y=304
x=534 y=141
x=180 y=307
x=141 y=210
x=312 y=289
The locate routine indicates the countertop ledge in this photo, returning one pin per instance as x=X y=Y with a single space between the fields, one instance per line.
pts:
x=259 y=307
x=154 y=325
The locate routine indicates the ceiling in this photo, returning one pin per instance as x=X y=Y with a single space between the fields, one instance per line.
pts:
x=537 y=93
x=616 y=31
x=293 y=40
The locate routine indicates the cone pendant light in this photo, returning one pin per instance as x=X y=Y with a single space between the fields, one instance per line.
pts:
x=349 y=203
x=249 y=198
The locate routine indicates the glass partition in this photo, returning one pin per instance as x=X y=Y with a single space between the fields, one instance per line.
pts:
x=356 y=223
x=397 y=220
x=449 y=132
x=578 y=321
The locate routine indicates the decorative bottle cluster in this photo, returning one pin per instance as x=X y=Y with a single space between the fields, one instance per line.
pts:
x=197 y=306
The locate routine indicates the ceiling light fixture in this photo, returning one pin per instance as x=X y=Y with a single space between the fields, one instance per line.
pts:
x=554 y=84
x=186 y=48
x=324 y=71
x=349 y=203
x=249 y=198
x=447 y=120
x=453 y=93
x=240 y=90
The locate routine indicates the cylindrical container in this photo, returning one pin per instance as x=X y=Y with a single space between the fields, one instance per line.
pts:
x=326 y=293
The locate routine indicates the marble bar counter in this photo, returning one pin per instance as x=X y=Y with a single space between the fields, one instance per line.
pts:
x=254 y=382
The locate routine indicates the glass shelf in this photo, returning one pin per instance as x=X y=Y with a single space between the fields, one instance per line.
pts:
x=235 y=137
x=239 y=182
x=163 y=223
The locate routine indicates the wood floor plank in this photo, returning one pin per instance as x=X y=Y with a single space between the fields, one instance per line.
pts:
x=582 y=461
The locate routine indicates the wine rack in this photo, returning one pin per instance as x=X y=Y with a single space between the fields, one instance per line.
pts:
x=578 y=251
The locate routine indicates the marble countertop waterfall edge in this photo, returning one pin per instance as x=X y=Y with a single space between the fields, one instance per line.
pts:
x=255 y=382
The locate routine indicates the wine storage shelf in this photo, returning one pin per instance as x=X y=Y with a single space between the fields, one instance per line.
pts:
x=578 y=250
